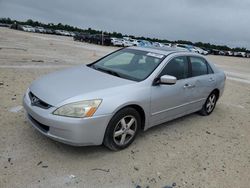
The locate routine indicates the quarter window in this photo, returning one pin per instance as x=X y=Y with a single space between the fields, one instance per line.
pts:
x=199 y=66
x=177 y=67
x=210 y=70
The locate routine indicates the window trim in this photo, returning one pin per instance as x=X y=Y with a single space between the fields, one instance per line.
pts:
x=189 y=73
x=207 y=65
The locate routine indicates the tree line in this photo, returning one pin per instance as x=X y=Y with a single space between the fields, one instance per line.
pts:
x=67 y=27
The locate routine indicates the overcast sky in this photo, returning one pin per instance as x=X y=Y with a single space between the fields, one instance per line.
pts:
x=215 y=21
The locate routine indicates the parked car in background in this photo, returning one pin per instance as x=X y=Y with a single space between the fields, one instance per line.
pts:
x=66 y=33
x=82 y=37
x=116 y=42
x=62 y=32
x=158 y=44
x=72 y=34
x=49 y=31
x=126 y=43
x=168 y=44
x=134 y=42
x=235 y=54
x=201 y=51
x=144 y=43
x=40 y=29
x=58 y=32
x=222 y=52
x=229 y=53
x=241 y=54
x=28 y=28
x=215 y=52
x=109 y=101
x=4 y=25
x=100 y=39
x=188 y=47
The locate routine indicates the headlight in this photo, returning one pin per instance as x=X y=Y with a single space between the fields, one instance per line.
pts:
x=79 y=109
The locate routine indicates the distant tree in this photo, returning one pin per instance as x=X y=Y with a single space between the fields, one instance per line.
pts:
x=238 y=49
x=184 y=42
x=6 y=21
x=30 y=22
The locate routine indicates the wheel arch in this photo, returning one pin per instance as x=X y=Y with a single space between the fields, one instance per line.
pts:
x=217 y=93
x=138 y=108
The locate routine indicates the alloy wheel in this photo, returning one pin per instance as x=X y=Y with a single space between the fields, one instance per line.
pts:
x=211 y=103
x=125 y=130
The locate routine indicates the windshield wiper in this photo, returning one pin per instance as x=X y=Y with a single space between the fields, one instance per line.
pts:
x=107 y=71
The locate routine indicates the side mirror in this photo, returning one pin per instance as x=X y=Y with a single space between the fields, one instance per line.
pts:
x=167 y=79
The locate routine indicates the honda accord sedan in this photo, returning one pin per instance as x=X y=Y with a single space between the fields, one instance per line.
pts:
x=132 y=89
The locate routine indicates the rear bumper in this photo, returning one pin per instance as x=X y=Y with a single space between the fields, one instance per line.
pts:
x=72 y=131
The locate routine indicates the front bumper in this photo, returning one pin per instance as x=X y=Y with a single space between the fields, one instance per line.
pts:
x=72 y=131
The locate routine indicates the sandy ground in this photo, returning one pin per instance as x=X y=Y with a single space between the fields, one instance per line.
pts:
x=192 y=151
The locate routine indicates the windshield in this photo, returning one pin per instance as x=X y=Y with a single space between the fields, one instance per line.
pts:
x=130 y=64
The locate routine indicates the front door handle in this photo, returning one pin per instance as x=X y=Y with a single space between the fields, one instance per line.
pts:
x=188 y=86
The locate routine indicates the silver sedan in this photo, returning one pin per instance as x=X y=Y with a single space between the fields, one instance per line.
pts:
x=109 y=101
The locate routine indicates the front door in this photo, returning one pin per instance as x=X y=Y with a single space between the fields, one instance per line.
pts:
x=171 y=101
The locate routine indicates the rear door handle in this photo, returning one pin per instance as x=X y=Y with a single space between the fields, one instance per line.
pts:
x=211 y=79
x=188 y=86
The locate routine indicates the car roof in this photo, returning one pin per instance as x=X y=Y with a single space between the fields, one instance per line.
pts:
x=160 y=50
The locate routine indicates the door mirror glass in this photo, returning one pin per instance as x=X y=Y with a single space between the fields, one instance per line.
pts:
x=167 y=79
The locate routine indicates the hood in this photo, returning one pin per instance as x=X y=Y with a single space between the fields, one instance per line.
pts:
x=59 y=86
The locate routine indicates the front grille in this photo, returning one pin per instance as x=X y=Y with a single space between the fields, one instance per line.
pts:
x=39 y=125
x=35 y=101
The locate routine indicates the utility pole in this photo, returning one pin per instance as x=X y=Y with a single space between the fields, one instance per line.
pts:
x=102 y=37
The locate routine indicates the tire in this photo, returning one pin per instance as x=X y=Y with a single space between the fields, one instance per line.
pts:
x=209 y=105
x=122 y=129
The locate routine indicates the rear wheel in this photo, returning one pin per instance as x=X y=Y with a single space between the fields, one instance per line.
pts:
x=122 y=129
x=209 y=105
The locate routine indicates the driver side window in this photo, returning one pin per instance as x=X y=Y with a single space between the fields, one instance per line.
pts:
x=177 y=67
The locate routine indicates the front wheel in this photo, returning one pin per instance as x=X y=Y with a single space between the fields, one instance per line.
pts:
x=209 y=105
x=122 y=129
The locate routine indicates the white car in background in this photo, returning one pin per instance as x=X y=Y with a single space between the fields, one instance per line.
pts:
x=158 y=44
x=62 y=32
x=241 y=54
x=190 y=48
x=235 y=53
x=201 y=51
x=116 y=42
x=28 y=28
x=72 y=34
x=66 y=33
x=126 y=43
x=229 y=53
x=59 y=32
x=134 y=42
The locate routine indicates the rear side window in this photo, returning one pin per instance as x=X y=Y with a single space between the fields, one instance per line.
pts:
x=199 y=66
x=210 y=70
x=177 y=67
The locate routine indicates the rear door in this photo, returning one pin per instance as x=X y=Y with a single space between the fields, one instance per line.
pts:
x=203 y=81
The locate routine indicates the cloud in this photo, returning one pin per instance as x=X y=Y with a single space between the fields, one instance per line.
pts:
x=220 y=22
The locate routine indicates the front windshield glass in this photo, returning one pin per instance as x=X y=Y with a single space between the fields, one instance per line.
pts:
x=130 y=64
